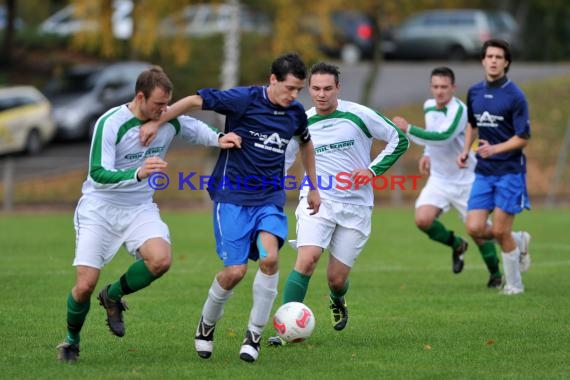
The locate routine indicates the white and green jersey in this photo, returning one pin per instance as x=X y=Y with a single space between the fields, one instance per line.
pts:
x=116 y=154
x=443 y=137
x=343 y=142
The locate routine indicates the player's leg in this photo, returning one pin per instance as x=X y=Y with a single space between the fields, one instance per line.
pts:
x=502 y=230
x=78 y=305
x=481 y=202
x=485 y=246
x=435 y=199
x=313 y=236
x=348 y=240
x=146 y=237
x=271 y=224
x=510 y=199
x=232 y=247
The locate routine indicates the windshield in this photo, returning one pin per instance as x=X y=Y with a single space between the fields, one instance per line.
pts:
x=72 y=83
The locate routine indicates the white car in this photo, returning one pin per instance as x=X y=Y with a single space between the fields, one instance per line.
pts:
x=201 y=20
x=65 y=22
x=26 y=122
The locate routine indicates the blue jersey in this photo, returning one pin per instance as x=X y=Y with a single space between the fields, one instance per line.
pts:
x=253 y=175
x=499 y=110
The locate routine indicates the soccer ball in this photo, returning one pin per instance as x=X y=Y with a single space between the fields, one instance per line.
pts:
x=294 y=322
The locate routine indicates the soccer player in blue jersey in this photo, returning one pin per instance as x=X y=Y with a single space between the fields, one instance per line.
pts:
x=248 y=194
x=498 y=114
x=117 y=207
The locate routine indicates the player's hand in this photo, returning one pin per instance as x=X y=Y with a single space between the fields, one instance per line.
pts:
x=424 y=165
x=148 y=132
x=401 y=123
x=229 y=140
x=485 y=149
x=462 y=160
x=314 y=201
x=151 y=165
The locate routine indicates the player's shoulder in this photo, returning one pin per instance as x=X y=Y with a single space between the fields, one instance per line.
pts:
x=355 y=108
x=429 y=103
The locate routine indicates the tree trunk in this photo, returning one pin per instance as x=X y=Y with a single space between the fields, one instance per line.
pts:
x=6 y=56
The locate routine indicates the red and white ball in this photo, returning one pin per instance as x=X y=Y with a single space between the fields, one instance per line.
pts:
x=294 y=322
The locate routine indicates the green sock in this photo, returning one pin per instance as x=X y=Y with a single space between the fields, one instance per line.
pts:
x=76 y=314
x=439 y=233
x=137 y=277
x=296 y=287
x=489 y=254
x=336 y=296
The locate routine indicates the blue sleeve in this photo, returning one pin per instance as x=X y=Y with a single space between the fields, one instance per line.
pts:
x=302 y=131
x=470 y=116
x=226 y=102
x=521 y=121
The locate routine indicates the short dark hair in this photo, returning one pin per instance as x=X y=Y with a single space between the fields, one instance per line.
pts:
x=325 y=68
x=289 y=63
x=443 y=71
x=152 y=78
x=501 y=44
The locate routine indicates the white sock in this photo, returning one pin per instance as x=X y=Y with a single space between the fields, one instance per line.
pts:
x=511 y=265
x=214 y=306
x=264 y=294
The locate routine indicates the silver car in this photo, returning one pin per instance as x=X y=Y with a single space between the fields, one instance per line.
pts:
x=454 y=34
x=84 y=92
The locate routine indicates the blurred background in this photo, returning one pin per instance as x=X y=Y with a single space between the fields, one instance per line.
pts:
x=63 y=63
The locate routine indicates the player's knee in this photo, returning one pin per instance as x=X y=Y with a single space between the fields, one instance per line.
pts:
x=160 y=264
x=423 y=223
x=336 y=283
x=475 y=230
x=83 y=290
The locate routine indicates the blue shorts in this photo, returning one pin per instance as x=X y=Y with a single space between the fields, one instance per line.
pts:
x=507 y=192
x=236 y=229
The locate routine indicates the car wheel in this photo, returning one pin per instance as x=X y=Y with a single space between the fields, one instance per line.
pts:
x=33 y=143
x=350 y=54
x=457 y=53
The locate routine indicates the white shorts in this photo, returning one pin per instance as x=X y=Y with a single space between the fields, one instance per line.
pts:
x=342 y=228
x=444 y=195
x=101 y=229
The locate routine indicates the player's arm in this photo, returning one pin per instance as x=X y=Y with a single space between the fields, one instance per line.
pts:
x=102 y=162
x=470 y=136
x=291 y=153
x=382 y=128
x=197 y=132
x=308 y=159
x=452 y=125
x=148 y=130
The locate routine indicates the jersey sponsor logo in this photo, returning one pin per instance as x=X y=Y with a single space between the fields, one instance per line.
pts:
x=279 y=113
x=272 y=142
x=485 y=119
x=333 y=147
x=154 y=151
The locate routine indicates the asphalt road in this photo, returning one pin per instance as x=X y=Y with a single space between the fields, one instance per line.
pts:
x=398 y=83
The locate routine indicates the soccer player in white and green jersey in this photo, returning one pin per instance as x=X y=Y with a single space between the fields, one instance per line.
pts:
x=448 y=185
x=342 y=133
x=117 y=206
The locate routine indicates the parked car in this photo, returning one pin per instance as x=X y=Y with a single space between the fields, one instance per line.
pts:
x=203 y=20
x=84 y=92
x=26 y=123
x=65 y=22
x=454 y=34
x=351 y=38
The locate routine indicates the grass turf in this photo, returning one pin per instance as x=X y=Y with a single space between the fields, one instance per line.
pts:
x=410 y=316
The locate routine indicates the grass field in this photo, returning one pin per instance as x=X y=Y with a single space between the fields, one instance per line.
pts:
x=410 y=316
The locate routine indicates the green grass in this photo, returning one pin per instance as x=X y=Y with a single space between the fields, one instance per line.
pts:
x=410 y=316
